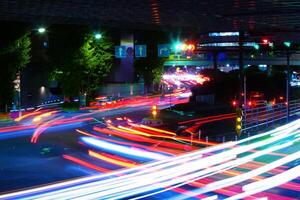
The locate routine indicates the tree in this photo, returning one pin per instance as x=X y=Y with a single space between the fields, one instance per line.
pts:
x=151 y=67
x=14 y=56
x=80 y=62
x=96 y=57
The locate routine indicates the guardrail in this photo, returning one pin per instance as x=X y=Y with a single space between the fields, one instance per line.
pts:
x=264 y=116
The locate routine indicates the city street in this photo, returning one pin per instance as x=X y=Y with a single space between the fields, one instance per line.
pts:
x=149 y=99
x=265 y=165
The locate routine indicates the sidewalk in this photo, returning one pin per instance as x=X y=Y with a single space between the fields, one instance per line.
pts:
x=5 y=121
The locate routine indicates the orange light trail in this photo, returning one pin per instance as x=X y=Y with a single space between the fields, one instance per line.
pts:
x=143 y=133
x=110 y=160
x=154 y=129
x=55 y=122
x=139 y=138
x=177 y=138
x=27 y=115
x=41 y=116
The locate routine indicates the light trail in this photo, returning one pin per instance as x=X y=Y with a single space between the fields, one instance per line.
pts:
x=123 y=149
x=176 y=171
x=138 y=138
x=156 y=148
x=268 y=183
x=111 y=160
x=240 y=178
x=214 y=170
x=153 y=129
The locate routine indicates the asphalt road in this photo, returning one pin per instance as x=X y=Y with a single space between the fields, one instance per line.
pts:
x=24 y=164
x=63 y=146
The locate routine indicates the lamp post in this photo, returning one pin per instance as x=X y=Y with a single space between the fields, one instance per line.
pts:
x=97 y=36
x=287 y=44
x=288 y=84
x=40 y=30
x=241 y=66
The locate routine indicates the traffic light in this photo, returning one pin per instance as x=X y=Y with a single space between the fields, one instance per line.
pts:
x=182 y=47
x=287 y=44
x=265 y=41
x=256 y=46
x=154 y=111
x=234 y=103
x=238 y=121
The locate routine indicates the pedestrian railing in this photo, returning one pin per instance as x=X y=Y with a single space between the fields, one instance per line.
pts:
x=254 y=119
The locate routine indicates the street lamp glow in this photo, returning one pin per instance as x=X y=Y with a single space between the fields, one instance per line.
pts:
x=41 y=30
x=98 y=36
x=287 y=44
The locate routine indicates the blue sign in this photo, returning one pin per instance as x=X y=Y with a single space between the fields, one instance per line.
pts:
x=140 y=51
x=120 y=51
x=163 y=50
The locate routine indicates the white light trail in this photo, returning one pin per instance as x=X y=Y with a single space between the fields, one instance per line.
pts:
x=213 y=170
x=176 y=170
x=123 y=149
x=268 y=183
x=135 y=183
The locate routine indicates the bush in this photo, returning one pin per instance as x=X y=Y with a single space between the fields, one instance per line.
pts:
x=70 y=106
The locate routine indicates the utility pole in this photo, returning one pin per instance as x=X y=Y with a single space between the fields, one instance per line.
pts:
x=288 y=84
x=215 y=60
x=19 y=96
x=241 y=67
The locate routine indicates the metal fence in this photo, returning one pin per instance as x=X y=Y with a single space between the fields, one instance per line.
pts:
x=254 y=119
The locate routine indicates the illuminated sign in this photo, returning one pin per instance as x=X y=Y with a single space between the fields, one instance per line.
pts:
x=223 y=34
x=227 y=44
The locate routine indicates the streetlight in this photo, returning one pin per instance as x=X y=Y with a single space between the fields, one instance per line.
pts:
x=41 y=30
x=288 y=45
x=98 y=36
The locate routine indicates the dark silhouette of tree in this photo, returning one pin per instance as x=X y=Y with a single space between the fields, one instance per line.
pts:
x=151 y=68
x=15 y=47
x=80 y=62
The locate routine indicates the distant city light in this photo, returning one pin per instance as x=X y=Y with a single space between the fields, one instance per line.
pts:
x=182 y=78
x=223 y=34
x=227 y=44
x=41 y=30
x=271 y=44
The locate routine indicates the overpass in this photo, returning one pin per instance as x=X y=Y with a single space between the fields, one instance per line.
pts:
x=204 y=62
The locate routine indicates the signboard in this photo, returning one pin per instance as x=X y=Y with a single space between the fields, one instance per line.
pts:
x=140 y=51
x=120 y=51
x=163 y=50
